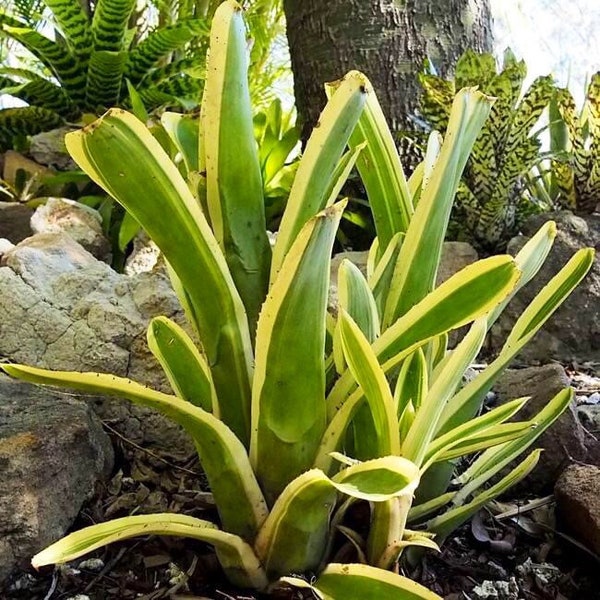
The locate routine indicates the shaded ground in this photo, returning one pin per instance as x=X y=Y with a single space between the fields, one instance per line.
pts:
x=523 y=555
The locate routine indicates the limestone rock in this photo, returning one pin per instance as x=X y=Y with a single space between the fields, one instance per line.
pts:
x=62 y=309
x=577 y=495
x=53 y=451
x=573 y=332
x=15 y=221
x=5 y=246
x=564 y=441
x=48 y=148
x=82 y=223
x=145 y=257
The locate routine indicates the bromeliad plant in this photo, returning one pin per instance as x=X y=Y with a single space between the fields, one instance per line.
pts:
x=297 y=413
x=490 y=200
x=573 y=180
x=87 y=67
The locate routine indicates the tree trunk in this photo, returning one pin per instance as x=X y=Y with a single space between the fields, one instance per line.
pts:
x=388 y=40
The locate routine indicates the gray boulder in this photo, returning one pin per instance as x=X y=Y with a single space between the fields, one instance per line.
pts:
x=48 y=148
x=62 y=309
x=573 y=332
x=82 y=223
x=53 y=452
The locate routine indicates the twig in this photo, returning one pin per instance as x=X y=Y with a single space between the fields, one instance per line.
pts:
x=52 y=586
x=146 y=451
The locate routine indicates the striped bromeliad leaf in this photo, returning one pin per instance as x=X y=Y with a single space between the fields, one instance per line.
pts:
x=577 y=177
x=93 y=57
x=490 y=205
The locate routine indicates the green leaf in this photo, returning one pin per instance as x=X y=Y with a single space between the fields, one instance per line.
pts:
x=223 y=457
x=358 y=582
x=183 y=131
x=137 y=104
x=235 y=555
x=551 y=296
x=381 y=277
x=355 y=297
x=309 y=193
x=495 y=459
x=233 y=174
x=183 y=364
x=455 y=517
x=467 y=295
x=370 y=377
x=422 y=431
x=381 y=172
x=294 y=536
x=529 y=261
x=419 y=256
x=127 y=231
x=288 y=394
x=118 y=152
x=460 y=438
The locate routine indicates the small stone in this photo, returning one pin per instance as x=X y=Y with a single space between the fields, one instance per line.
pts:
x=53 y=452
x=594 y=398
x=91 y=564
x=5 y=245
x=496 y=590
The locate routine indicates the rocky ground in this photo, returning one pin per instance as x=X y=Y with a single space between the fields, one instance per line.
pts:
x=516 y=550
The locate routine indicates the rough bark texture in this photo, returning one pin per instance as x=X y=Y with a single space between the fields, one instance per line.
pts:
x=388 y=40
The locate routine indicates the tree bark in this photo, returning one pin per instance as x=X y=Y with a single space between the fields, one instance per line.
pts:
x=388 y=40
